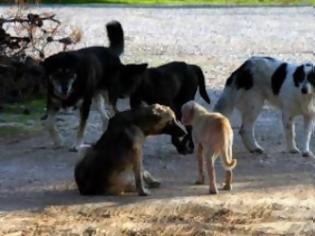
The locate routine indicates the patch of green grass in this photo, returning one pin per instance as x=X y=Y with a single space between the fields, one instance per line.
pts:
x=14 y=121
x=36 y=105
x=210 y=2
x=23 y=112
x=17 y=130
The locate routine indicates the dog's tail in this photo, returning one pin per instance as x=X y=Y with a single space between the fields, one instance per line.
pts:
x=227 y=158
x=115 y=36
x=202 y=84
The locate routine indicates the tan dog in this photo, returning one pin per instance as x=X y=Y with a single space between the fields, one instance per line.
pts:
x=212 y=136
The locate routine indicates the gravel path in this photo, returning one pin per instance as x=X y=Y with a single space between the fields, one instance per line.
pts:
x=273 y=193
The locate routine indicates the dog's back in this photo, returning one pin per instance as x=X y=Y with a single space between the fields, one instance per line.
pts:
x=171 y=84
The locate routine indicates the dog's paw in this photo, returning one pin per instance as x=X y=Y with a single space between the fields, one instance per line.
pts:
x=257 y=150
x=144 y=192
x=213 y=191
x=308 y=154
x=227 y=187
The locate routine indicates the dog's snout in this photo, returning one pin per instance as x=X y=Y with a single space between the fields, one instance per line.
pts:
x=180 y=128
x=174 y=128
x=64 y=89
x=304 y=90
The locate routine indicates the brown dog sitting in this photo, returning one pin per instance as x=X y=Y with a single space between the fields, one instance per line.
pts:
x=212 y=136
x=120 y=148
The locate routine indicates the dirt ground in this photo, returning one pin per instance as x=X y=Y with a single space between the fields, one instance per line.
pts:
x=273 y=193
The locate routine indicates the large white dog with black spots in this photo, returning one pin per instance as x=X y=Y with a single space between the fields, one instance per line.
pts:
x=289 y=87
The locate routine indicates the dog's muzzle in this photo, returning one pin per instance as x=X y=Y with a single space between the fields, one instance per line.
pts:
x=175 y=128
x=304 y=90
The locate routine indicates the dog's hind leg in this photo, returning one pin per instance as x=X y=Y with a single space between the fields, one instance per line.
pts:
x=249 y=112
x=308 y=128
x=228 y=180
x=136 y=155
x=289 y=129
x=210 y=159
x=52 y=129
x=199 y=155
x=227 y=155
x=100 y=107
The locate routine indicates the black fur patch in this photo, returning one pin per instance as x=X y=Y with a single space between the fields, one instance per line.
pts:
x=243 y=77
x=229 y=81
x=278 y=78
x=299 y=75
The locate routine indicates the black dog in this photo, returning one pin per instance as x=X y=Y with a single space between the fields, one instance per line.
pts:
x=173 y=85
x=120 y=148
x=75 y=78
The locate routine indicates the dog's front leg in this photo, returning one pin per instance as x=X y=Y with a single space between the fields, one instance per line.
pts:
x=84 y=114
x=199 y=155
x=308 y=128
x=138 y=171
x=100 y=106
x=52 y=129
x=150 y=180
x=289 y=129
x=248 y=136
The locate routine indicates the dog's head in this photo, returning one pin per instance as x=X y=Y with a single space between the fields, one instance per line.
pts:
x=167 y=123
x=305 y=77
x=61 y=72
x=157 y=119
x=188 y=110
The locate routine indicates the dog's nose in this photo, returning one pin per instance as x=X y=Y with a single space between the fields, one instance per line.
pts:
x=304 y=90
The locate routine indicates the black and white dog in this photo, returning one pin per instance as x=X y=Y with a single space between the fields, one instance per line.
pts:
x=76 y=78
x=287 y=86
x=171 y=84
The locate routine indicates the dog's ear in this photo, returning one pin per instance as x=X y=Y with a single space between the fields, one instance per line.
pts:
x=188 y=113
x=155 y=113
